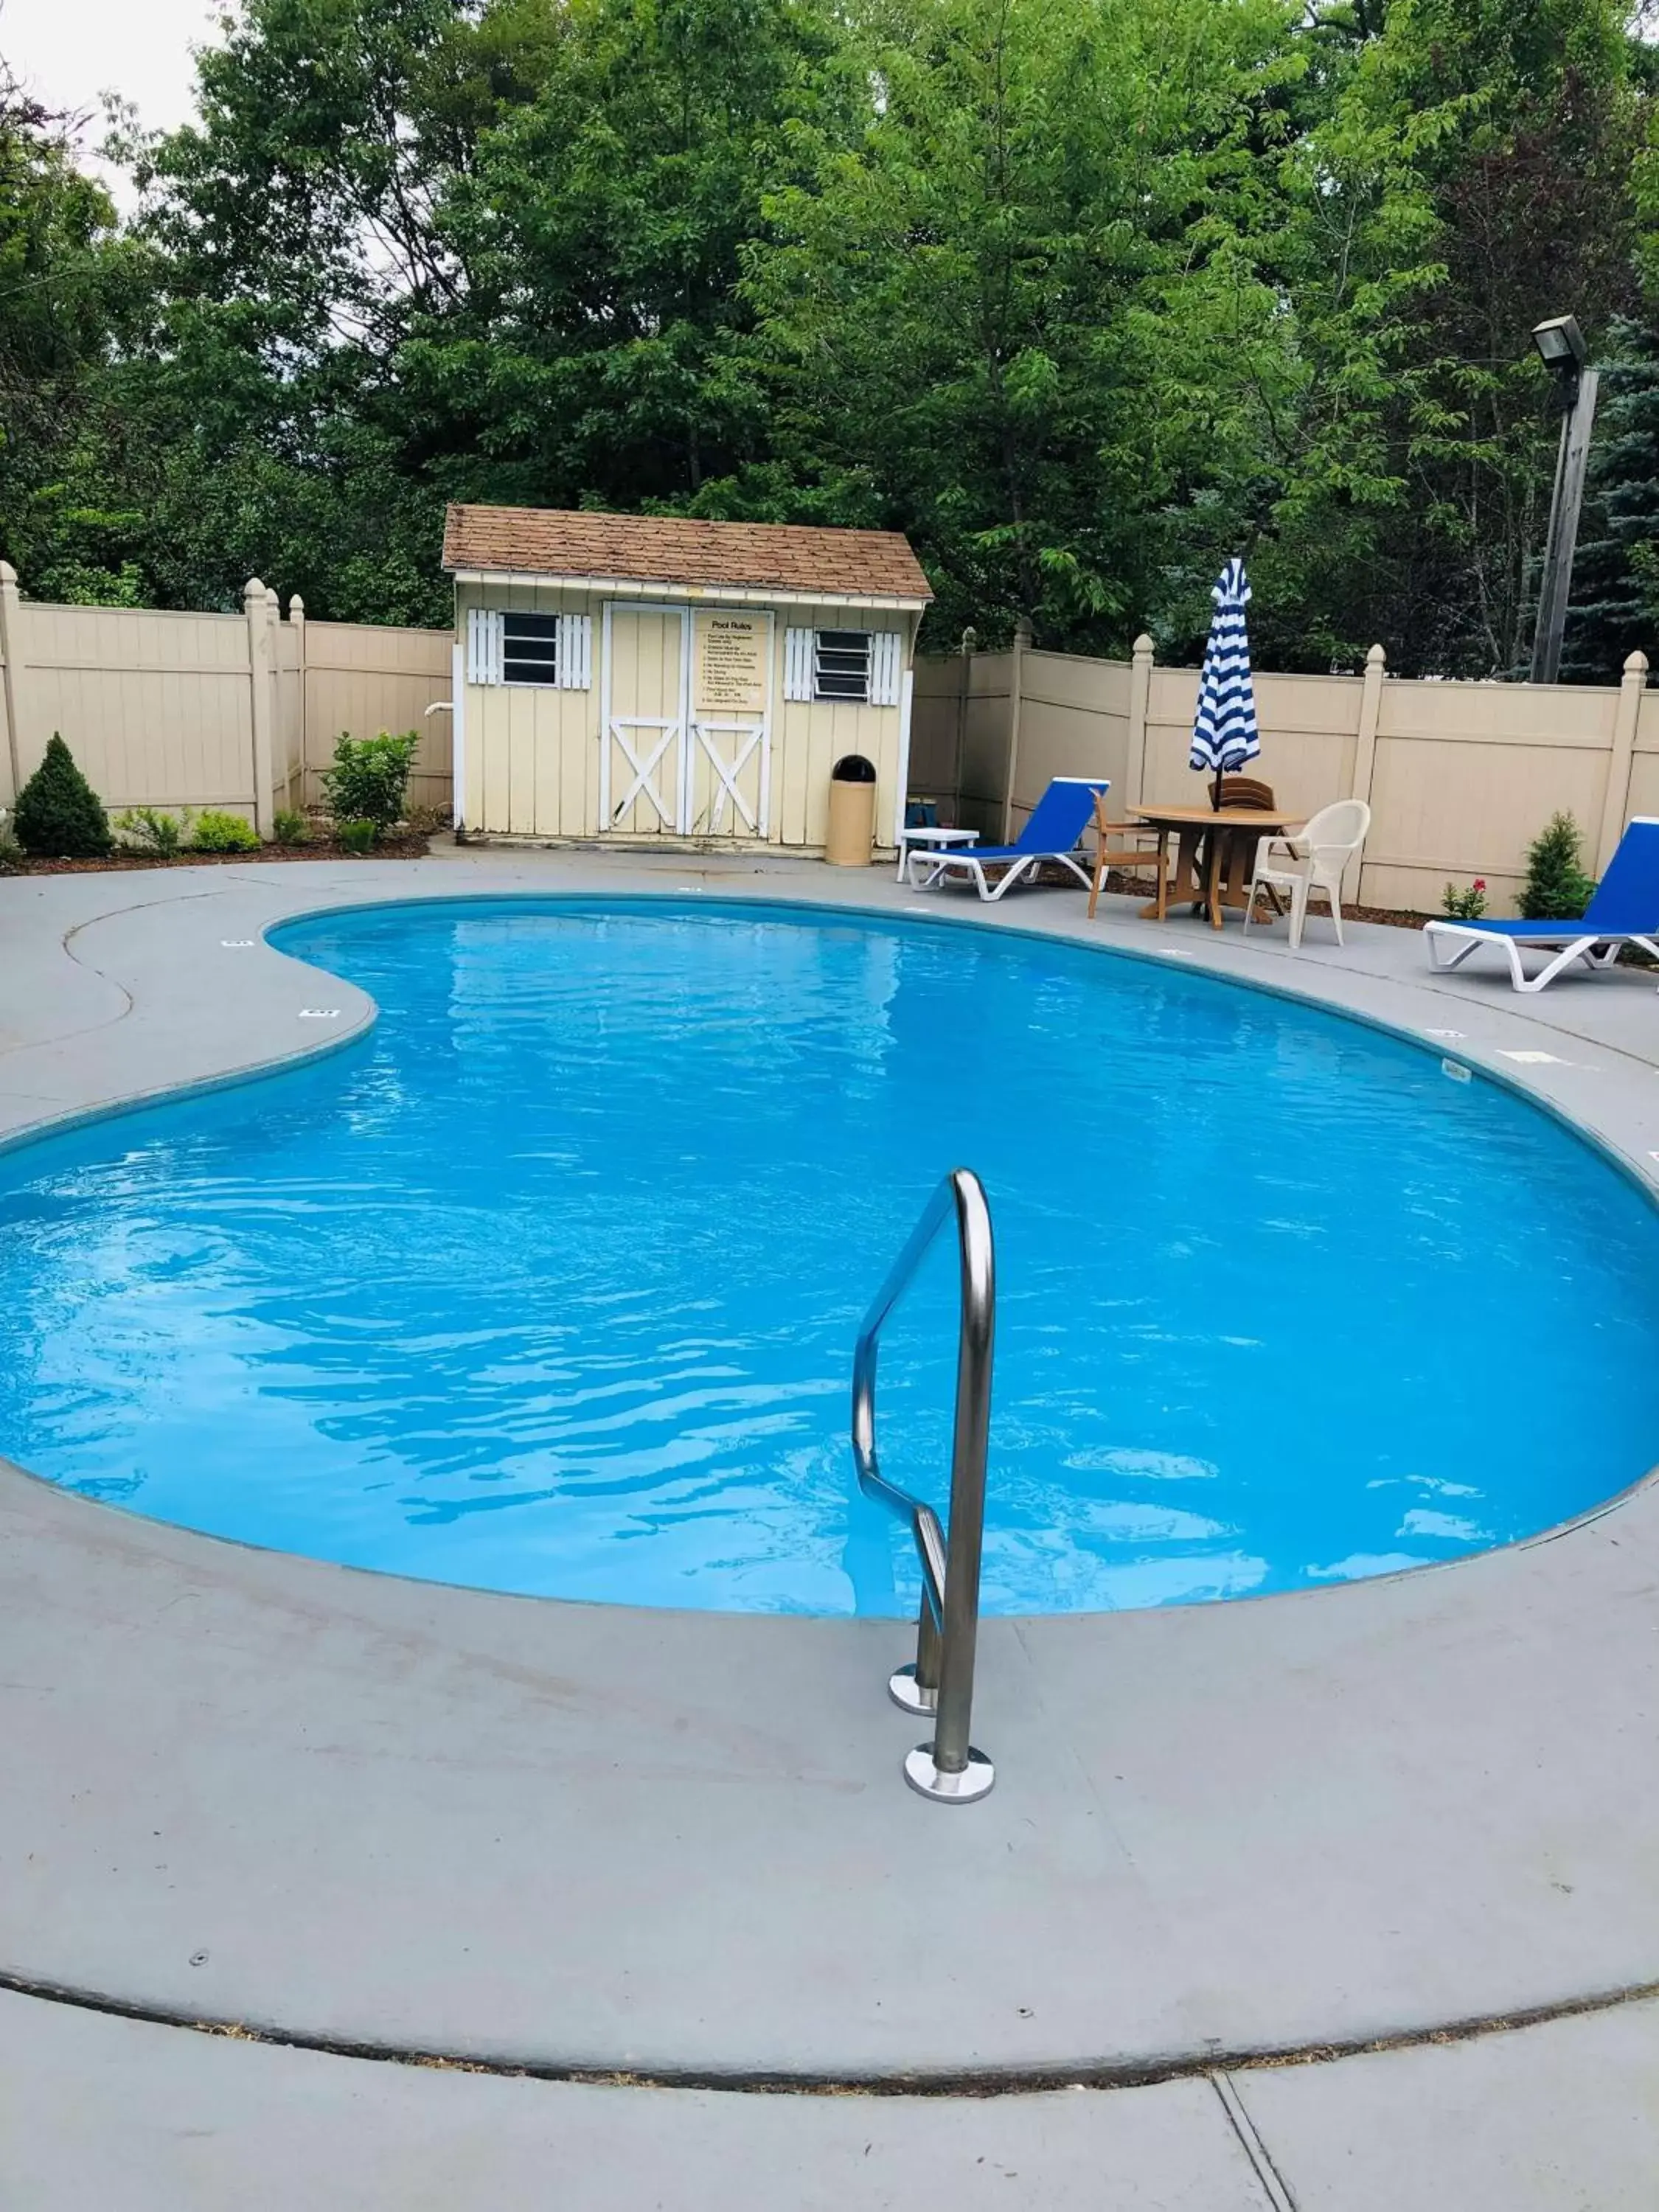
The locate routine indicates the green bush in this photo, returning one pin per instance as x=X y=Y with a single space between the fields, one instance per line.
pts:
x=11 y=853
x=291 y=829
x=370 y=780
x=357 y=836
x=1465 y=905
x=151 y=831
x=224 y=833
x=58 y=815
x=1556 y=889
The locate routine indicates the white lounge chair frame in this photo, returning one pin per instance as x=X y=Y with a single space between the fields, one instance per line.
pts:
x=939 y=864
x=925 y=870
x=1626 y=891
x=1594 y=951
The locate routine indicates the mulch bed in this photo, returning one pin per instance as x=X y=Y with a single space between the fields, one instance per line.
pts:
x=318 y=849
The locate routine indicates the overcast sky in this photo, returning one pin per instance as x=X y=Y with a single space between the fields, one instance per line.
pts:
x=69 y=52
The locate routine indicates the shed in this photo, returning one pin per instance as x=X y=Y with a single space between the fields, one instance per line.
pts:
x=651 y=680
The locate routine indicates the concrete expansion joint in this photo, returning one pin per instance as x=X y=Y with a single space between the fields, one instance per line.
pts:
x=1273 y=2186
x=1212 y=2065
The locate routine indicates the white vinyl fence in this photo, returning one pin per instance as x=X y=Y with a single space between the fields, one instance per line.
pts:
x=240 y=712
x=1461 y=777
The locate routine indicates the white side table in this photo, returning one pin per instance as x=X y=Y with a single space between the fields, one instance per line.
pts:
x=930 y=841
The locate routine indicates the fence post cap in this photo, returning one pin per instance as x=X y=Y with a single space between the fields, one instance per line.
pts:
x=1143 y=647
x=8 y=575
x=253 y=589
x=1376 y=658
x=1637 y=665
x=297 y=605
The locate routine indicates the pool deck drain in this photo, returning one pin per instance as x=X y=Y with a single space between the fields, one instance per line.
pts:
x=358 y=1811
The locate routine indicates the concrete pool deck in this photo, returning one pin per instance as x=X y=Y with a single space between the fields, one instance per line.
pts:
x=358 y=1813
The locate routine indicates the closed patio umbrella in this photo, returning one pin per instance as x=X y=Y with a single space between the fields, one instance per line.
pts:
x=1224 y=733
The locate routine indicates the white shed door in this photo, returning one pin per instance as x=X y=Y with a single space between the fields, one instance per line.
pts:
x=728 y=779
x=642 y=740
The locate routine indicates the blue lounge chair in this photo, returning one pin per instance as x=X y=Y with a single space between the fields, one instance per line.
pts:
x=1624 y=911
x=1057 y=824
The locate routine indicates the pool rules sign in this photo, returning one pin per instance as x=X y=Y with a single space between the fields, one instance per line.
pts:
x=731 y=664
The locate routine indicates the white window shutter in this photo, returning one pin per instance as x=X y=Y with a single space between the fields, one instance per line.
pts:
x=575 y=653
x=798 y=663
x=484 y=646
x=885 y=668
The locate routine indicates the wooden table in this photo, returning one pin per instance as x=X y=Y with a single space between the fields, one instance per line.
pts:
x=1227 y=839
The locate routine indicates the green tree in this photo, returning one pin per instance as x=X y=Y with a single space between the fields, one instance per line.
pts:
x=275 y=429
x=69 y=285
x=1016 y=316
x=420 y=250
x=605 y=354
x=1615 y=608
x=1520 y=120
x=1085 y=294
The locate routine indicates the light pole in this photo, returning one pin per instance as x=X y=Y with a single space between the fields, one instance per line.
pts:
x=1561 y=347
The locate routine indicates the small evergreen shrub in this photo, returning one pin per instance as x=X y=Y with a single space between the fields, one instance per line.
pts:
x=357 y=836
x=148 y=829
x=1465 y=905
x=370 y=780
x=291 y=829
x=1556 y=889
x=58 y=815
x=224 y=833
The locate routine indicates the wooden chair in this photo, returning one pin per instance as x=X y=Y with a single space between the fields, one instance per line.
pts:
x=1248 y=791
x=1147 y=855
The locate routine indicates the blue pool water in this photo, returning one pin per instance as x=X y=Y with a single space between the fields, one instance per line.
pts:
x=550 y=1283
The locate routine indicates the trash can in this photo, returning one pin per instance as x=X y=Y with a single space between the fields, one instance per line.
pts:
x=852 y=813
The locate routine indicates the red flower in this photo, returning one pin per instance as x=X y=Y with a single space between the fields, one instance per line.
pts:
x=1481 y=883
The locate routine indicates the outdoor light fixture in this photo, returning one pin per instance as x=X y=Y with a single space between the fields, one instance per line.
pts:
x=1560 y=344
x=1562 y=349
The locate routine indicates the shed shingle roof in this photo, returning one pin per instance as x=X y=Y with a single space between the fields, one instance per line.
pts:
x=664 y=549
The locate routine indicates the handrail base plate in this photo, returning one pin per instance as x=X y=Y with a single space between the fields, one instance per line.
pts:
x=964 y=1788
x=908 y=1695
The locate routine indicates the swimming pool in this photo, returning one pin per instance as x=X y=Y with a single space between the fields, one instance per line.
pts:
x=549 y=1282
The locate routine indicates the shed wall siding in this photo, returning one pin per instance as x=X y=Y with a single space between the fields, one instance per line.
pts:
x=532 y=755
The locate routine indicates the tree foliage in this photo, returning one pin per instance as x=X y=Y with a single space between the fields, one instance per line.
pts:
x=1615 y=606
x=1083 y=294
x=1556 y=889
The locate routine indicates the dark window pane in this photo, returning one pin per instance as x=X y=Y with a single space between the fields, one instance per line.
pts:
x=530 y=648
x=841 y=664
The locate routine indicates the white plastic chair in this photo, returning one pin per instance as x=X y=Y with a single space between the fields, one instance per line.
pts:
x=1313 y=860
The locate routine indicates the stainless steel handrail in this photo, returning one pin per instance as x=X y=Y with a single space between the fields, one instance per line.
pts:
x=941 y=1682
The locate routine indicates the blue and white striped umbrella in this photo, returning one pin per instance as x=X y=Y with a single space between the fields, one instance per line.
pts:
x=1224 y=732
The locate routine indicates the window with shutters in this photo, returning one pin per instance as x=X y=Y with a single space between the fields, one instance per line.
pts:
x=530 y=648
x=841 y=664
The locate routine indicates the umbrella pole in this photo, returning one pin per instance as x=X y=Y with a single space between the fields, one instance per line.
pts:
x=1215 y=791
